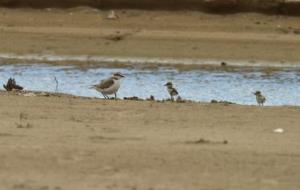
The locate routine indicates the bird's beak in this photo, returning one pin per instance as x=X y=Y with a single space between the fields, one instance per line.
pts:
x=92 y=87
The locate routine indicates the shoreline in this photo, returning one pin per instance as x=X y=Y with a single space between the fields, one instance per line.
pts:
x=85 y=61
x=49 y=94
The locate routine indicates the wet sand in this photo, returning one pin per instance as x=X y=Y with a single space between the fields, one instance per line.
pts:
x=248 y=37
x=65 y=142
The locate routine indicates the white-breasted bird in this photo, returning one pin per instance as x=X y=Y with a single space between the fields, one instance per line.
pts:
x=260 y=98
x=109 y=86
x=172 y=91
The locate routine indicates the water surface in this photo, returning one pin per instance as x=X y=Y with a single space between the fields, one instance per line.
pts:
x=280 y=87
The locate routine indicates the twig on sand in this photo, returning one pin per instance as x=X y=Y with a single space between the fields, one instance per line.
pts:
x=56 y=81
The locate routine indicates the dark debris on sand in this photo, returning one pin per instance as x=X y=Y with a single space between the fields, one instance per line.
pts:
x=151 y=98
x=133 y=98
x=205 y=141
x=221 y=102
x=12 y=85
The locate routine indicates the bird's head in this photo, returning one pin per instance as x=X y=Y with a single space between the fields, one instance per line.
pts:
x=257 y=93
x=118 y=75
x=169 y=84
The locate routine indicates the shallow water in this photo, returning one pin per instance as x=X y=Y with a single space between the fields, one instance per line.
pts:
x=280 y=88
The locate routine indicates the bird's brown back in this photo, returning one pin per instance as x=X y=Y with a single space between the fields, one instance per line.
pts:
x=106 y=83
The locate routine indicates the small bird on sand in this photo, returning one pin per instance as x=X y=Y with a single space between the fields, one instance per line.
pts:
x=172 y=91
x=110 y=85
x=260 y=98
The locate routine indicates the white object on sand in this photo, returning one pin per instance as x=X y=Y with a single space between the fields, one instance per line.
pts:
x=30 y=94
x=278 y=130
x=112 y=15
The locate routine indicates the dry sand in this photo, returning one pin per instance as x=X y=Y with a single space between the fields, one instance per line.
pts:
x=163 y=34
x=64 y=142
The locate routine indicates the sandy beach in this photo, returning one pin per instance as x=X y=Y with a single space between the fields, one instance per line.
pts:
x=152 y=34
x=63 y=142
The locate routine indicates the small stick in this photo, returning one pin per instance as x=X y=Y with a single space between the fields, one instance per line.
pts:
x=56 y=81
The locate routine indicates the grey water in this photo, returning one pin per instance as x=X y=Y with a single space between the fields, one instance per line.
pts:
x=281 y=87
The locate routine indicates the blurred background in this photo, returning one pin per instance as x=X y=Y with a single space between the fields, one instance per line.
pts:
x=267 y=6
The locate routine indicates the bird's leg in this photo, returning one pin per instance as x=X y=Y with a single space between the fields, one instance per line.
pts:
x=115 y=95
x=103 y=95
x=172 y=98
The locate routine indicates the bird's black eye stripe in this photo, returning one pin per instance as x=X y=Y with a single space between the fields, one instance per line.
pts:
x=118 y=74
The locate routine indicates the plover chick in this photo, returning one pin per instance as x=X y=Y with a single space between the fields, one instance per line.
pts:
x=260 y=98
x=172 y=91
x=109 y=86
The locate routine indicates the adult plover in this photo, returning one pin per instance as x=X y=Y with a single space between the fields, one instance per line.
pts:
x=172 y=91
x=260 y=98
x=109 y=86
